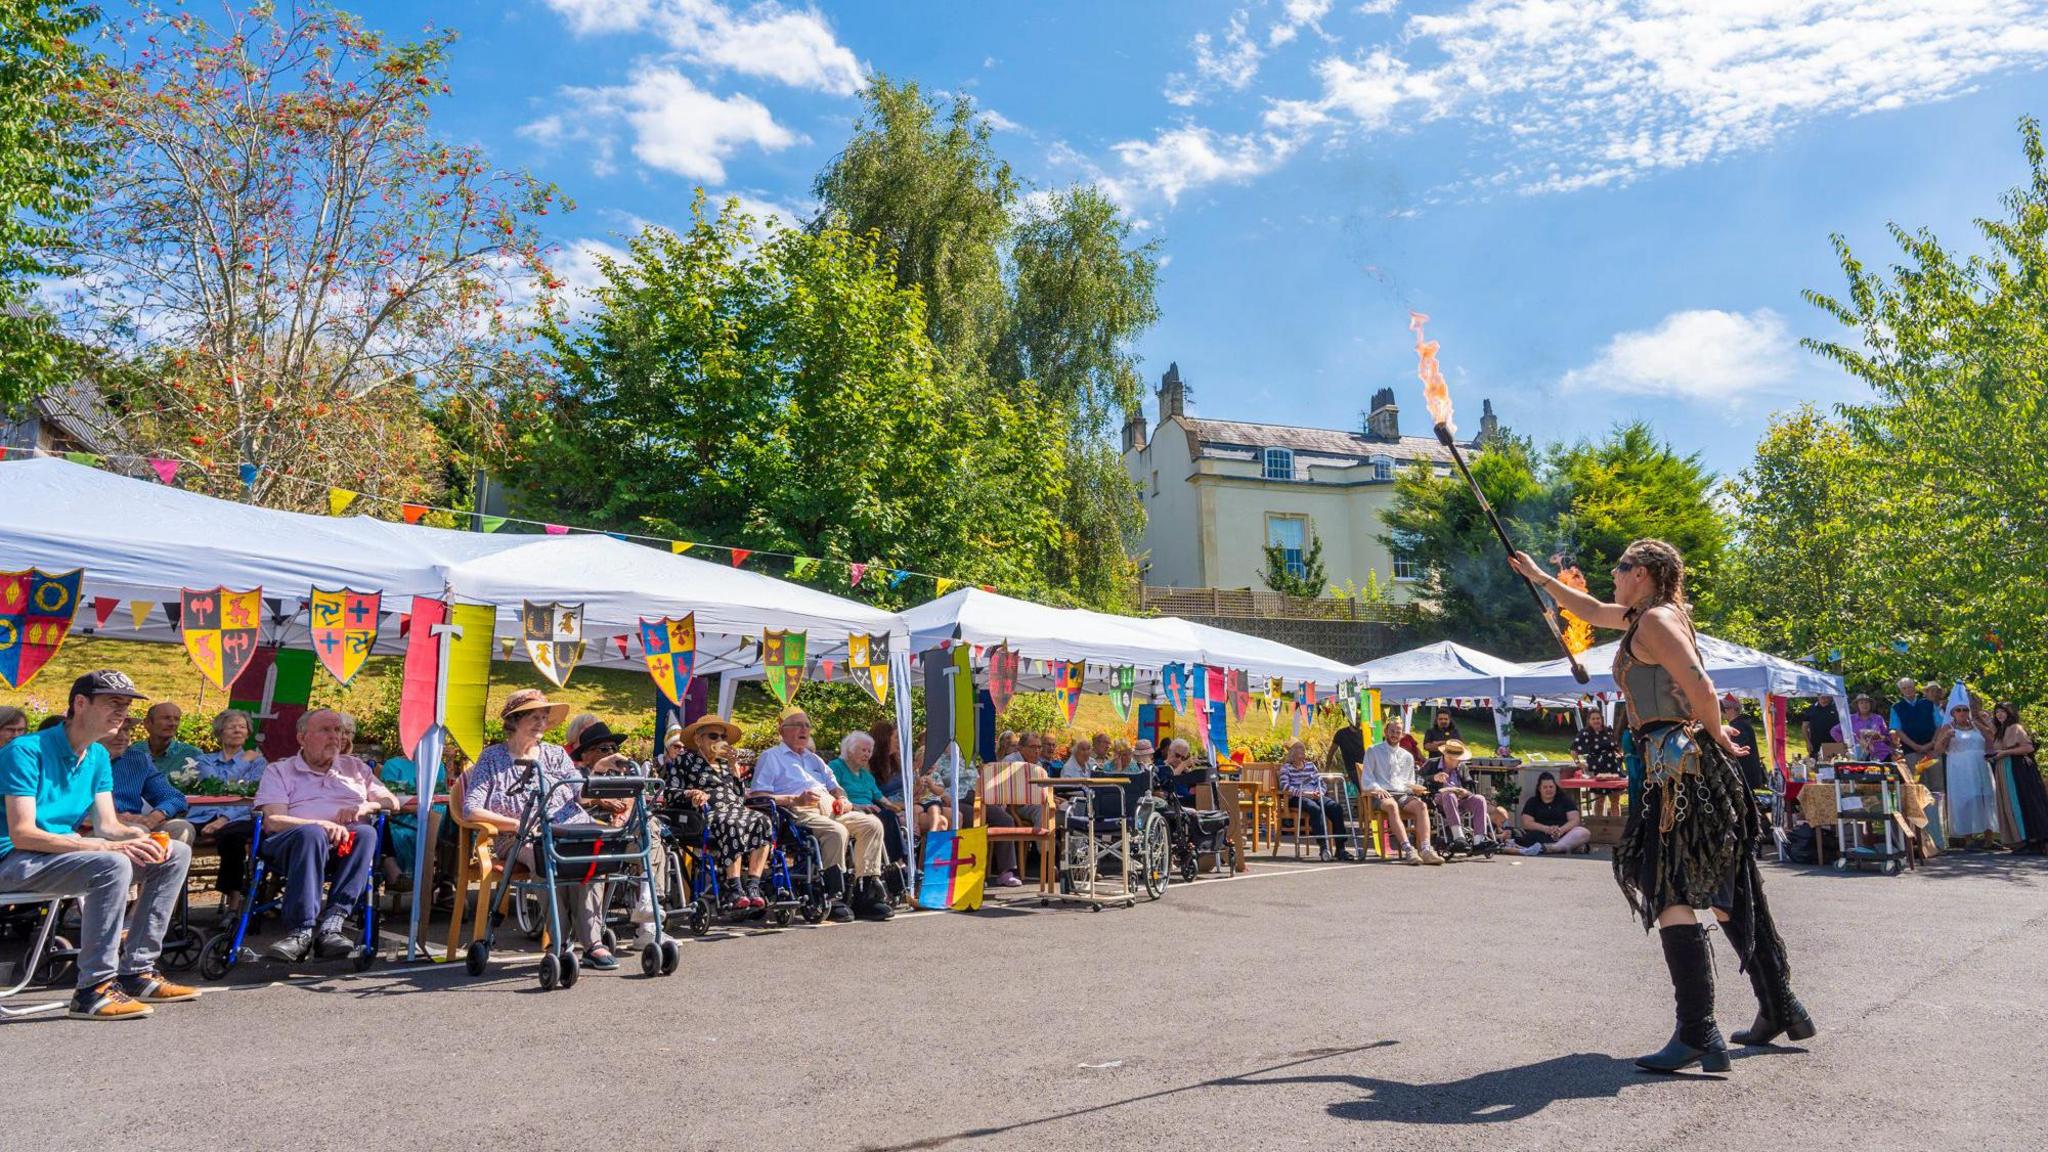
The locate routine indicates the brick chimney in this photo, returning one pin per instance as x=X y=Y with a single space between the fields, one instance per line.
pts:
x=1383 y=421
x=1134 y=429
x=1173 y=395
x=1489 y=424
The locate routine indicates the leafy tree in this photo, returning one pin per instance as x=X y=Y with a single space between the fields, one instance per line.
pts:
x=1630 y=485
x=296 y=266
x=932 y=188
x=1312 y=578
x=1945 y=485
x=48 y=150
x=784 y=395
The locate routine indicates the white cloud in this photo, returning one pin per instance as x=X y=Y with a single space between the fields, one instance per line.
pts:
x=1587 y=93
x=677 y=126
x=1378 y=7
x=791 y=46
x=1705 y=354
x=1232 y=67
x=999 y=122
x=1189 y=157
x=1296 y=14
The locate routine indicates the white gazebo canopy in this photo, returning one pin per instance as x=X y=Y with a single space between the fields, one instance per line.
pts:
x=1732 y=667
x=1440 y=671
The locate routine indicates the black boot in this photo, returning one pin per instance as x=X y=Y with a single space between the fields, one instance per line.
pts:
x=1697 y=1039
x=1778 y=1011
x=870 y=900
x=835 y=897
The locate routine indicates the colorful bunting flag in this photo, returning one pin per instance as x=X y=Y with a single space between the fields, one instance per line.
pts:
x=506 y=647
x=945 y=585
x=739 y=555
x=36 y=608
x=166 y=470
x=670 y=649
x=868 y=658
x=1068 y=676
x=1275 y=693
x=172 y=611
x=221 y=630
x=102 y=608
x=802 y=567
x=490 y=523
x=1002 y=676
x=679 y=547
x=248 y=474
x=338 y=500
x=344 y=626
x=897 y=576
x=854 y=573
x=412 y=512
x=556 y=529
x=825 y=670
x=1123 y=686
x=554 y=638
x=138 y=611
x=621 y=642
x=782 y=658
x=85 y=458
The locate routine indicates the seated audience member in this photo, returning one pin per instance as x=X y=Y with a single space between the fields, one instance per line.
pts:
x=1442 y=730
x=235 y=762
x=1550 y=821
x=1445 y=780
x=1142 y=755
x=1120 y=761
x=1391 y=786
x=1176 y=775
x=171 y=754
x=1051 y=760
x=701 y=767
x=319 y=809
x=488 y=798
x=1006 y=743
x=890 y=777
x=796 y=778
x=1596 y=747
x=1301 y=785
x=229 y=825
x=1407 y=743
x=1030 y=752
x=144 y=796
x=595 y=748
x=1868 y=737
x=1100 y=749
x=13 y=723
x=51 y=782
x=853 y=768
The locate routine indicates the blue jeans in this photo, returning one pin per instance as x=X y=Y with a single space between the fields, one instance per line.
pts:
x=1322 y=813
x=100 y=881
x=305 y=858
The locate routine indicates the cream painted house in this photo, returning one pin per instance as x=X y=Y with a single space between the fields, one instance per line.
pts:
x=1217 y=492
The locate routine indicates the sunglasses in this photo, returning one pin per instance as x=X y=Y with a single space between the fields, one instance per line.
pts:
x=1626 y=566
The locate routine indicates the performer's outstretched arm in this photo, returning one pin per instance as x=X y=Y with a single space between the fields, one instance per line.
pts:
x=1598 y=613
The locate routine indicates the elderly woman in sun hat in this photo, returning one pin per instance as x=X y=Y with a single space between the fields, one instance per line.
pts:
x=702 y=768
x=488 y=798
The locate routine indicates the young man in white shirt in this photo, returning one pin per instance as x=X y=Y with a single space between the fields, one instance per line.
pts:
x=1388 y=778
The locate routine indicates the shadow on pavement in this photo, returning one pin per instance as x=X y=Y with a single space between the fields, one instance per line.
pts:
x=1491 y=1097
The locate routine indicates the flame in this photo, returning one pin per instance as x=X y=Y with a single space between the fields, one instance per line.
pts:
x=1434 y=393
x=1578 y=635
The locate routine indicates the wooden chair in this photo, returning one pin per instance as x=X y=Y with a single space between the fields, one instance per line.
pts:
x=1011 y=786
x=475 y=863
x=1259 y=796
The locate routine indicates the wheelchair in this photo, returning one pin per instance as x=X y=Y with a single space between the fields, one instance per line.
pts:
x=1194 y=832
x=567 y=856
x=796 y=869
x=228 y=947
x=1120 y=825
x=1454 y=840
x=693 y=888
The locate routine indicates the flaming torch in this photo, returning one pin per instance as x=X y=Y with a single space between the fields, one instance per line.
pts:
x=1438 y=398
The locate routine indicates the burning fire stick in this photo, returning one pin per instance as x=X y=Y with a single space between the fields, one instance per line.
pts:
x=1438 y=396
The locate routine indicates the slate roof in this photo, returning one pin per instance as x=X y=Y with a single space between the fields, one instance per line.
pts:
x=1243 y=440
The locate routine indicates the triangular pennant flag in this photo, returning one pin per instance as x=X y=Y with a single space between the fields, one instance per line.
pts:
x=824 y=669
x=897 y=577
x=854 y=573
x=248 y=474
x=989 y=588
x=338 y=500
x=85 y=458
x=505 y=646
x=412 y=512
x=166 y=470
x=103 y=607
x=621 y=642
x=405 y=621
x=138 y=611
x=556 y=529
x=490 y=523
x=173 y=610
x=945 y=585
x=802 y=567
x=680 y=546
x=619 y=536
x=739 y=557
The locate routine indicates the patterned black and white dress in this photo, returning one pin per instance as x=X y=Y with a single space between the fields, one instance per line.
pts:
x=735 y=829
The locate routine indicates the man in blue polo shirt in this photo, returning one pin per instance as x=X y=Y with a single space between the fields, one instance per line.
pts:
x=50 y=782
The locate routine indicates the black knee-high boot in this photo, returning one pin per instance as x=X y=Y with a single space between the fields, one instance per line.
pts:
x=1697 y=1039
x=1778 y=1010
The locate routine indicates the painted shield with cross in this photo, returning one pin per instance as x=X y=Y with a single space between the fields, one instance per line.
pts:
x=1067 y=680
x=867 y=657
x=344 y=623
x=670 y=647
x=554 y=638
x=221 y=630
x=783 y=662
x=35 y=616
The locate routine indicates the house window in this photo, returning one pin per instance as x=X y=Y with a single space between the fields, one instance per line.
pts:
x=1290 y=535
x=1279 y=464
x=1155 y=481
x=1383 y=467
x=1405 y=567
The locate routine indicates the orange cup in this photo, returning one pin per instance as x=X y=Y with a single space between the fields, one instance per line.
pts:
x=163 y=840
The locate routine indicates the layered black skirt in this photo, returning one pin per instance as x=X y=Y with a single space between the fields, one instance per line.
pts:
x=1705 y=858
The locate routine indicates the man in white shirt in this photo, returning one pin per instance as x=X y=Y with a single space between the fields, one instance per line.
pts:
x=800 y=782
x=1388 y=777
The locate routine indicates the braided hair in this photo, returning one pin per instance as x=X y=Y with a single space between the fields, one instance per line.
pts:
x=1667 y=575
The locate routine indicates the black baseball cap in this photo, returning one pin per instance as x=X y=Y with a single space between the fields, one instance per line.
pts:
x=105 y=682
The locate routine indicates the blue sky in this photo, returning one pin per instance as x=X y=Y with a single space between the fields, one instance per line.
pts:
x=1609 y=208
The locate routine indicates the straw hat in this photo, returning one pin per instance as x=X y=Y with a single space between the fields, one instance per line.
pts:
x=1452 y=748
x=530 y=699
x=726 y=728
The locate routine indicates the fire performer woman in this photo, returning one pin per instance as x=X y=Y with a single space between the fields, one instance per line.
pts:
x=1691 y=843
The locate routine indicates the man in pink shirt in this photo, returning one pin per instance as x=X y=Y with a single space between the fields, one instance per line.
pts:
x=319 y=811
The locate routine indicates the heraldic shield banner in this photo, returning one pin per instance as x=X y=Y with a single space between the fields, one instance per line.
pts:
x=1002 y=676
x=1123 y=685
x=868 y=657
x=782 y=660
x=221 y=630
x=35 y=616
x=344 y=623
x=670 y=647
x=554 y=638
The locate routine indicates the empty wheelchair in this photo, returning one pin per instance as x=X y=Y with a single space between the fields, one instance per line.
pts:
x=1113 y=843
